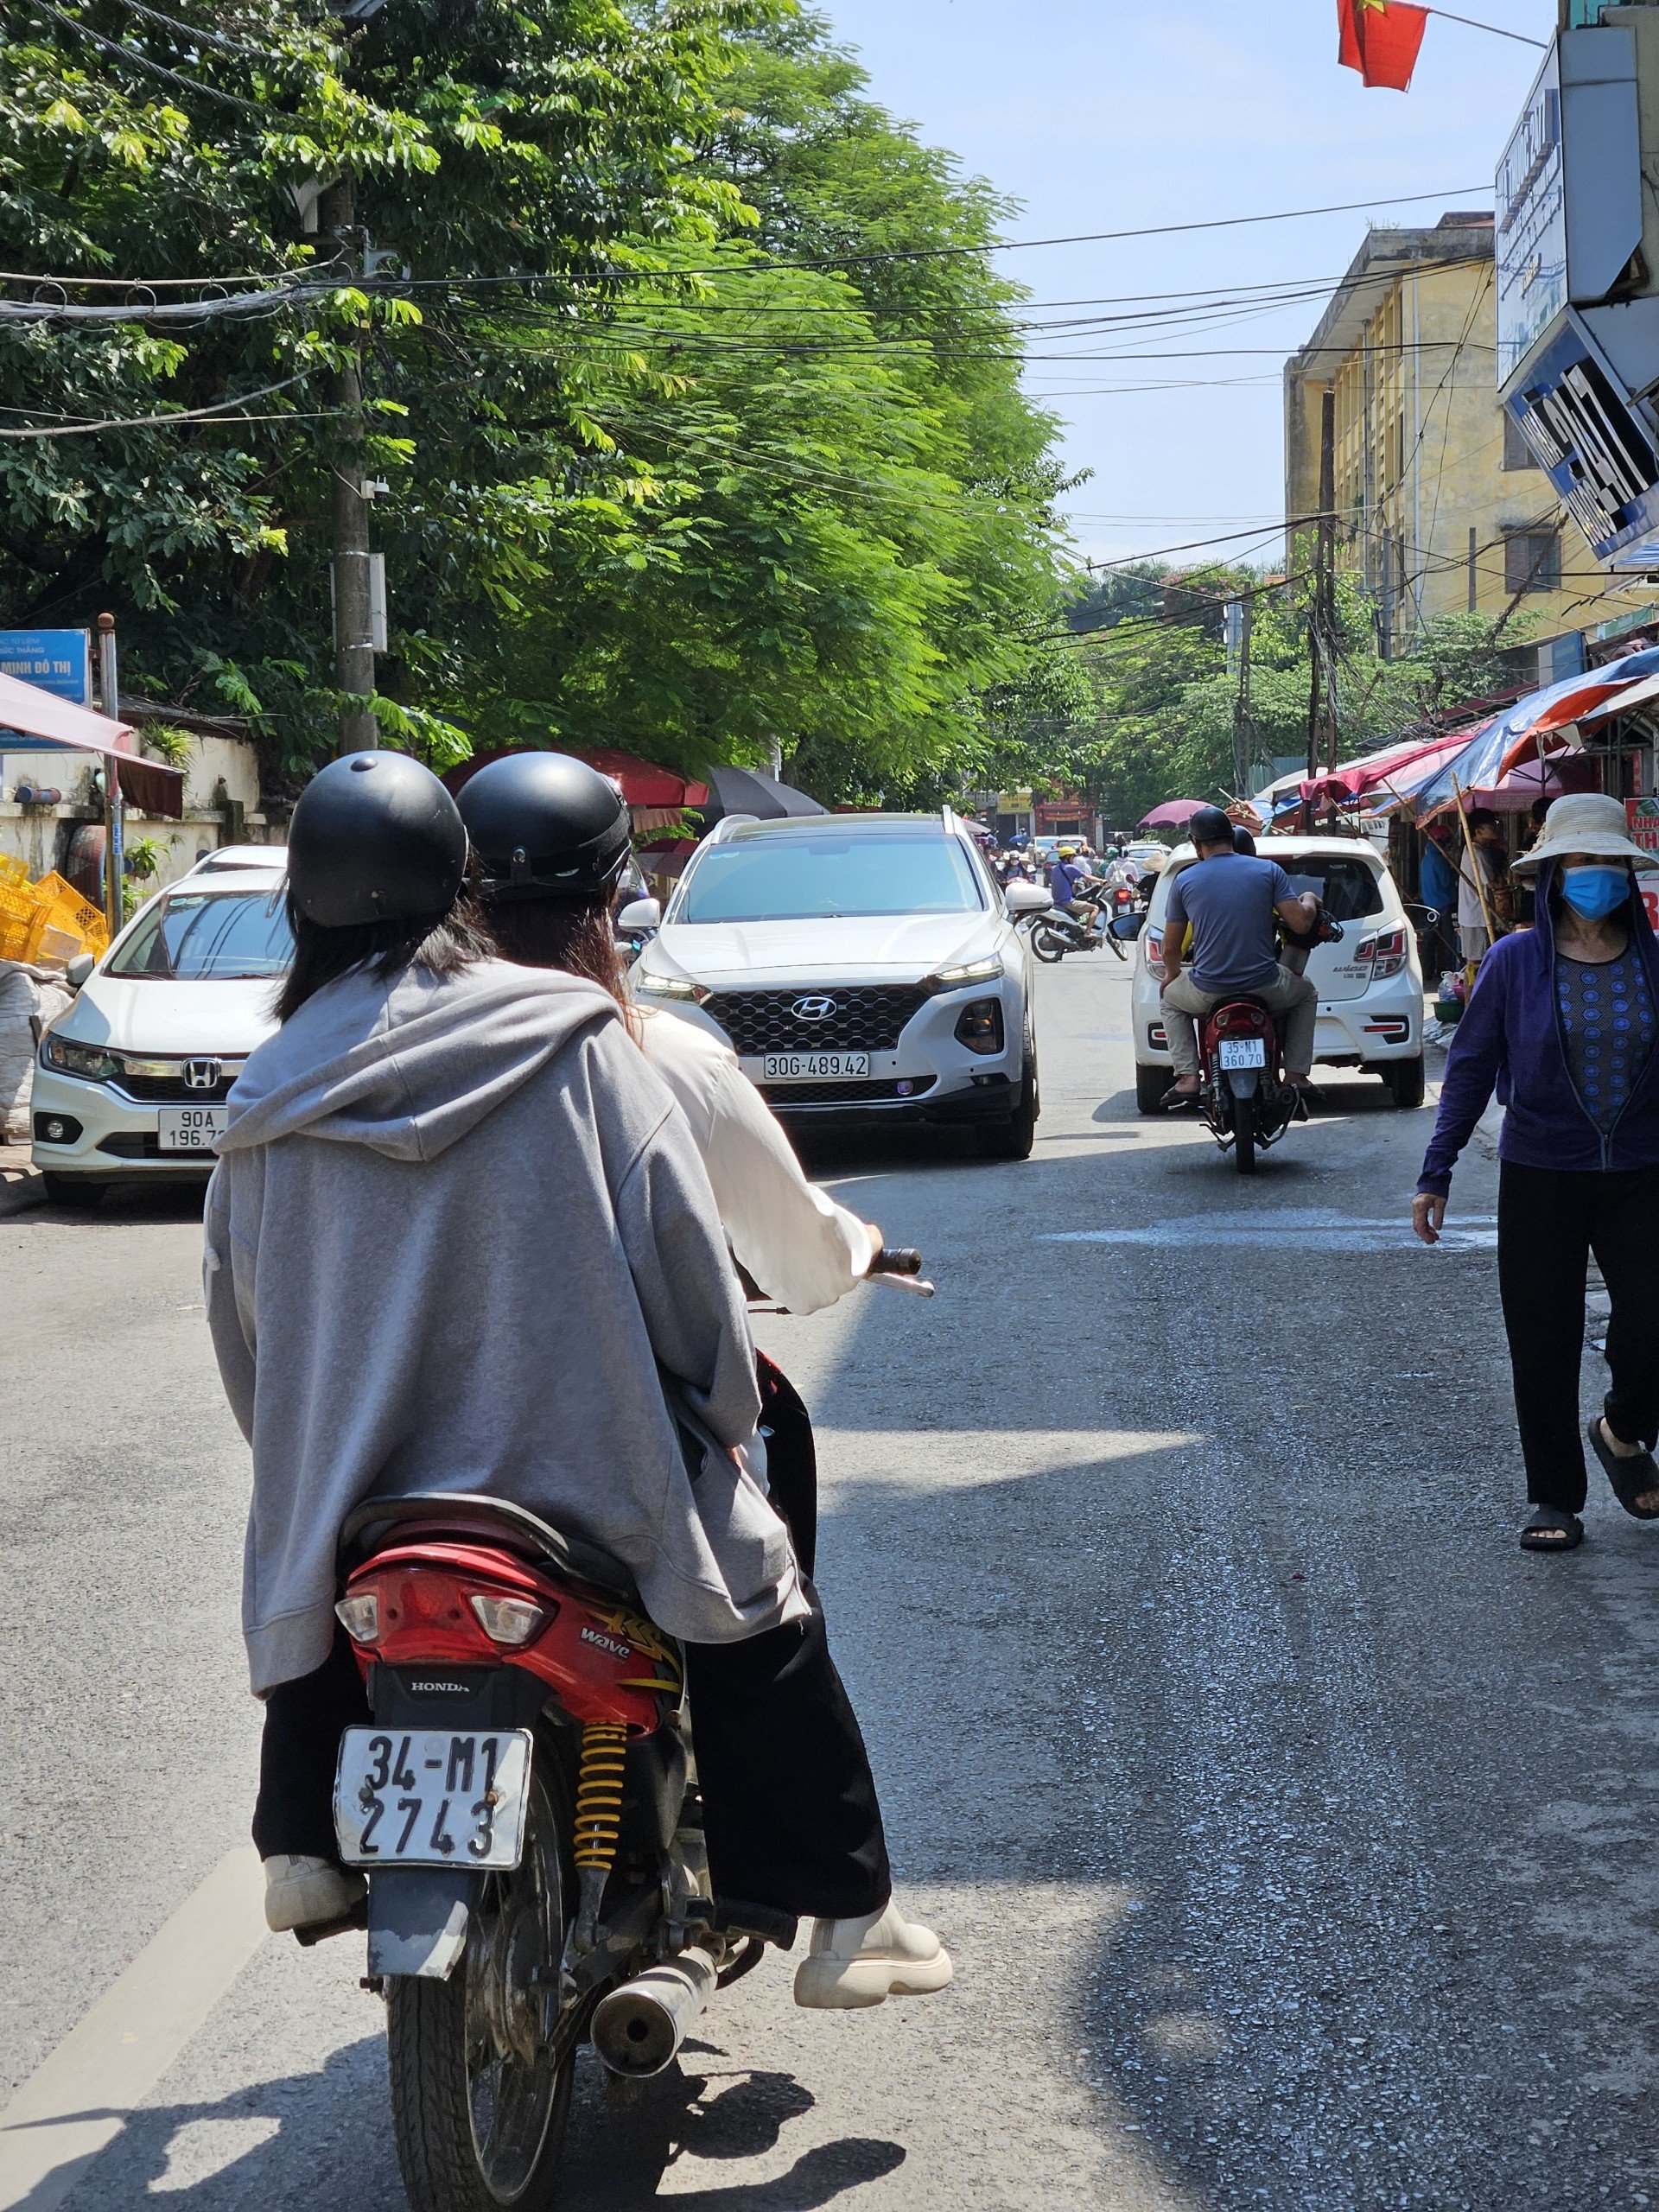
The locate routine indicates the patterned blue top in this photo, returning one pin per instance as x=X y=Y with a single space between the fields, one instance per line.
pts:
x=1608 y=1022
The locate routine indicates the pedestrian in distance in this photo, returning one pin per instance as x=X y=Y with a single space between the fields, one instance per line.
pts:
x=1563 y=1021
x=1485 y=852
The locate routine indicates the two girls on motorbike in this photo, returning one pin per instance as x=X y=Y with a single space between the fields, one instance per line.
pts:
x=462 y=1238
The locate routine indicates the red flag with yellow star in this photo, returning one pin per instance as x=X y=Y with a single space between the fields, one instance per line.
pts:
x=1380 y=38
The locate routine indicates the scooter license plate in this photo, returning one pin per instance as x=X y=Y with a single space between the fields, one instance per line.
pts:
x=432 y=1796
x=1243 y=1052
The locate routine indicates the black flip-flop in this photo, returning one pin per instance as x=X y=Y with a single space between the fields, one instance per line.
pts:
x=1549 y=1530
x=1630 y=1478
x=1182 y=1102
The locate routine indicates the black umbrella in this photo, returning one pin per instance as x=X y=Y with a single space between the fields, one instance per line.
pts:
x=746 y=790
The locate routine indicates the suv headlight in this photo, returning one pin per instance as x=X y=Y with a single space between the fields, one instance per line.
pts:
x=91 y=1062
x=972 y=971
x=669 y=987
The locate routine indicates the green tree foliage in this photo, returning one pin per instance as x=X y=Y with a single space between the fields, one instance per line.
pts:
x=645 y=487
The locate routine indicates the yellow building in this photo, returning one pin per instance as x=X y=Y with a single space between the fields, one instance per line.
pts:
x=1440 y=507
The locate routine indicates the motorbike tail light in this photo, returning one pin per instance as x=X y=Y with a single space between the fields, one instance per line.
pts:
x=979 y=1026
x=510 y=1621
x=360 y=1615
x=1386 y=951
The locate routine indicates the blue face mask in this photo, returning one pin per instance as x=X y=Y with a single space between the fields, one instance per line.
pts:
x=1595 y=892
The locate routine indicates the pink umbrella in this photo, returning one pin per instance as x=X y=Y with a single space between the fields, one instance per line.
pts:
x=1173 y=814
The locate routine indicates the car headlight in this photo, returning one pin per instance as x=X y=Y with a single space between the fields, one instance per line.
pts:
x=669 y=987
x=971 y=972
x=91 y=1062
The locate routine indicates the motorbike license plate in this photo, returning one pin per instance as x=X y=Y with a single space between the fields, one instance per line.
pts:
x=812 y=1067
x=190 y=1128
x=1243 y=1052
x=432 y=1796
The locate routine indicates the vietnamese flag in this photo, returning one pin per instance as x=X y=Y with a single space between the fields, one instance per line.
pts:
x=1380 y=38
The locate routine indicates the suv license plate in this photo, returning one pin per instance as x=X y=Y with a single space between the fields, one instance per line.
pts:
x=1243 y=1052
x=190 y=1128
x=812 y=1067
x=432 y=1797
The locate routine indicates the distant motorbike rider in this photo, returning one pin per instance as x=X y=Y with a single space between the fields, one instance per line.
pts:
x=1067 y=880
x=1230 y=899
x=459 y=1238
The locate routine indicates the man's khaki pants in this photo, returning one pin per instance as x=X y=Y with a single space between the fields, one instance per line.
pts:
x=1291 y=997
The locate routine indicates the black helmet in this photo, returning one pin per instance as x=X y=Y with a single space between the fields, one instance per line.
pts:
x=1242 y=841
x=545 y=825
x=375 y=838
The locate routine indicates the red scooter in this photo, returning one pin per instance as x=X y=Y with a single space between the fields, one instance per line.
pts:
x=1243 y=1095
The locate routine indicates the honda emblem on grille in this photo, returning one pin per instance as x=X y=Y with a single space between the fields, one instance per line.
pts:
x=202 y=1075
x=814 y=1008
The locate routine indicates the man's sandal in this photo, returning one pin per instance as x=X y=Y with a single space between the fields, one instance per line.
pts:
x=1631 y=1479
x=1549 y=1530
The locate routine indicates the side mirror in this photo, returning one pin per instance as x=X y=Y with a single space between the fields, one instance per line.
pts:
x=640 y=914
x=78 y=969
x=1026 y=899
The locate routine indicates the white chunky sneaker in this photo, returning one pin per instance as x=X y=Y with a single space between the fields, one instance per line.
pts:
x=858 y=1962
x=301 y=1892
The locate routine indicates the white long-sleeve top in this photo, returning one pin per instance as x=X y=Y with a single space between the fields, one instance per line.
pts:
x=803 y=1248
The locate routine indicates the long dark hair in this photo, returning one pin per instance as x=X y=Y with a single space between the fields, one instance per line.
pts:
x=321 y=956
x=574 y=934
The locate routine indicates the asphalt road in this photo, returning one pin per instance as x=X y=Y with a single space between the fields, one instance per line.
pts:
x=1292 y=1828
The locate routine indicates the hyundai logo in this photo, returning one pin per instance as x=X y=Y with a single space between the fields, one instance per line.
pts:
x=202 y=1075
x=814 y=1008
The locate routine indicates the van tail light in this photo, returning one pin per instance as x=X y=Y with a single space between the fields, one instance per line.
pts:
x=510 y=1621
x=1386 y=951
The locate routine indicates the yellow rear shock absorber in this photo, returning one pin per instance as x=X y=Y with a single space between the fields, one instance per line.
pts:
x=598 y=1820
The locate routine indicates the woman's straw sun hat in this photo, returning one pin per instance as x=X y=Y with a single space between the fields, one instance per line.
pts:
x=1586 y=822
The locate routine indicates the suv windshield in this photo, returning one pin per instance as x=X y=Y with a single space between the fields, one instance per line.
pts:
x=195 y=936
x=834 y=872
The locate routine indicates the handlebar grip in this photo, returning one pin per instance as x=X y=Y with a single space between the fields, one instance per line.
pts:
x=896 y=1260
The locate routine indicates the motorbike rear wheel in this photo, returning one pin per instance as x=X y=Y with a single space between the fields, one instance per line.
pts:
x=1114 y=942
x=1048 y=944
x=1244 y=1135
x=477 y=2100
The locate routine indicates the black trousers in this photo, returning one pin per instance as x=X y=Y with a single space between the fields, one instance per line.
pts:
x=1549 y=1220
x=789 y=1803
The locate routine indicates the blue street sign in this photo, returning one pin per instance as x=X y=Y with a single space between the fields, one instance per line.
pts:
x=58 y=661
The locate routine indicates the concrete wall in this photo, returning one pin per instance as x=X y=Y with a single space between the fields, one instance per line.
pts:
x=219 y=769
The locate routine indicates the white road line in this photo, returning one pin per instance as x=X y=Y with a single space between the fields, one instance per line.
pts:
x=79 y=2100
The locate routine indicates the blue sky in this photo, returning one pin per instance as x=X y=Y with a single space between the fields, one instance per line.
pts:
x=1103 y=117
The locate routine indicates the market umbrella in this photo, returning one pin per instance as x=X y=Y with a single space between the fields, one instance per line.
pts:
x=1173 y=814
x=746 y=790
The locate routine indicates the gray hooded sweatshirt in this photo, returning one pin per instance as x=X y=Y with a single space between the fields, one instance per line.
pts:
x=458 y=1236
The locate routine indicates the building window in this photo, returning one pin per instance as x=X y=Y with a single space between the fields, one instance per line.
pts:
x=1532 y=561
x=1517 y=453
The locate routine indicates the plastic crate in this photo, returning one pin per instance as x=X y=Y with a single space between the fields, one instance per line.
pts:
x=12 y=871
x=20 y=912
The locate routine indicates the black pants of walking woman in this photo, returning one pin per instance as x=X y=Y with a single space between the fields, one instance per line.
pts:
x=789 y=1801
x=1549 y=1220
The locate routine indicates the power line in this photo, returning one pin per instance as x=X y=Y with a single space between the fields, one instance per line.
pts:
x=222 y=411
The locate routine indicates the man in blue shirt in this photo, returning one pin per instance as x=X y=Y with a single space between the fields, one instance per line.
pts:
x=1231 y=901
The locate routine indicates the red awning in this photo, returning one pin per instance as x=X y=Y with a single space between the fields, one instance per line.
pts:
x=44 y=723
x=644 y=784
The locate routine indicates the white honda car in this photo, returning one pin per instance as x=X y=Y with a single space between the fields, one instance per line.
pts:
x=132 y=1078
x=1370 y=984
x=865 y=969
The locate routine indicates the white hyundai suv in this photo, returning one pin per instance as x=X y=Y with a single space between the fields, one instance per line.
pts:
x=864 y=968
x=1370 y=984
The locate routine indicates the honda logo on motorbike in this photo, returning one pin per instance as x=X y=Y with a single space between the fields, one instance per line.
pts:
x=814 y=1008
x=202 y=1075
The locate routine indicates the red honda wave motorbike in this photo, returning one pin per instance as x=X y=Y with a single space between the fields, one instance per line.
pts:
x=524 y=1806
x=1243 y=1095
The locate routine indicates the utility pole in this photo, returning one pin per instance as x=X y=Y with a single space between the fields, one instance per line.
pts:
x=1240 y=620
x=1322 y=616
x=349 y=506
x=109 y=688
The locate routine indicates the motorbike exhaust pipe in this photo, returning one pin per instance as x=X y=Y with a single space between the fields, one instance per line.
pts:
x=638 y=2030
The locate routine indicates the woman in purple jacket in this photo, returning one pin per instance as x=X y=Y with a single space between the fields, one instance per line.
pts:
x=1563 y=1021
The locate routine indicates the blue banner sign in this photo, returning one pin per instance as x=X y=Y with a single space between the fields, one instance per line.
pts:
x=58 y=661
